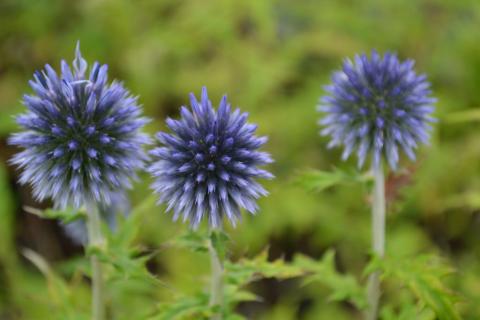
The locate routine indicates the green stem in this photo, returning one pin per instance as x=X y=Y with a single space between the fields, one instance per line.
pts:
x=216 y=286
x=378 y=240
x=96 y=240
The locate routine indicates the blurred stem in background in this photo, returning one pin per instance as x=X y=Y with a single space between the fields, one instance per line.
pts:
x=96 y=241
x=216 y=285
x=378 y=239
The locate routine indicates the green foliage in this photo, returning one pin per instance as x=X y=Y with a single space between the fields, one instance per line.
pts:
x=61 y=295
x=407 y=311
x=422 y=275
x=195 y=241
x=316 y=180
x=271 y=58
x=471 y=115
x=184 y=307
x=344 y=287
x=237 y=275
x=66 y=216
x=244 y=271
x=240 y=273
x=7 y=241
x=122 y=253
x=219 y=241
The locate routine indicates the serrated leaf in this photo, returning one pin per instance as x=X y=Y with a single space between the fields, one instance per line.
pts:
x=219 y=242
x=316 y=180
x=127 y=265
x=375 y=264
x=192 y=240
x=120 y=251
x=241 y=296
x=422 y=276
x=246 y=270
x=236 y=276
x=239 y=274
x=344 y=286
x=184 y=307
x=407 y=311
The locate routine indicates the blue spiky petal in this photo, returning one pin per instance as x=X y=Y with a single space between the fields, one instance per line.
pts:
x=376 y=106
x=208 y=166
x=82 y=136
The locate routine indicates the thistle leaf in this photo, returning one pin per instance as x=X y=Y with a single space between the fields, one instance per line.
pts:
x=184 y=307
x=61 y=296
x=422 y=276
x=316 y=180
x=66 y=216
x=247 y=270
x=192 y=240
x=345 y=287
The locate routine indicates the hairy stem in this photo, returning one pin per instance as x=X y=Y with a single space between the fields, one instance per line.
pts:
x=216 y=286
x=96 y=240
x=378 y=240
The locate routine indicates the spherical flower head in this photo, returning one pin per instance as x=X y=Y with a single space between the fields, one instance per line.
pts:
x=82 y=141
x=377 y=106
x=208 y=165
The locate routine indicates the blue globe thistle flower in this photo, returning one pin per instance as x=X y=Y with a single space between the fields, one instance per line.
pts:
x=375 y=106
x=208 y=166
x=82 y=141
x=119 y=205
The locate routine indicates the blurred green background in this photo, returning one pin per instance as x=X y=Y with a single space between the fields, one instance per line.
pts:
x=271 y=58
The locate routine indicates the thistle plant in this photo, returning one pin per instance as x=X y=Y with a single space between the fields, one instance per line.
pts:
x=375 y=107
x=82 y=145
x=77 y=229
x=207 y=169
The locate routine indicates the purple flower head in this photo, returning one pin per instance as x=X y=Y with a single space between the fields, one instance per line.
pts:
x=81 y=138
x=208 y=165
x=375 y=106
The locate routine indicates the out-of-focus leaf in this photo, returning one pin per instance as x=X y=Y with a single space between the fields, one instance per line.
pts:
x=344 y=286
x=184 y=307
x=470 y=199
x=462 y=116
x=7 y=214
x=219 y=242
x=407 y=311
x=422 y=275
x=59 y=292
x=234 y=317
x=247 y=270
x=239 y=274
x=316 y=180
x=127 y=260
x=129 y=227
x=66 y=216
x=196 y=241
x=235 y=295
x=126 y=263
x=236 y=276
